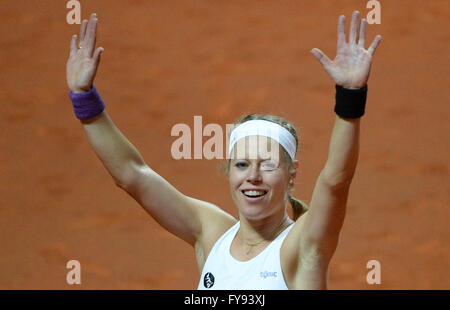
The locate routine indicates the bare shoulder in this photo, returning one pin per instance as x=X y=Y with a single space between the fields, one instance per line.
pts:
x=214 y=223
x=290 y=248
x=303 y=267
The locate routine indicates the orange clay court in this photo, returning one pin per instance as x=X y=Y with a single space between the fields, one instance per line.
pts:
x=167 y=61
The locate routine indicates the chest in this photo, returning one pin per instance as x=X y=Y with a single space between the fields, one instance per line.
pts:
x=229 y=267
x=242 y=252
x=223 y=271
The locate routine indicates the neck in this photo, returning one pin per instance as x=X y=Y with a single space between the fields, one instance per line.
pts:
x=252 y=231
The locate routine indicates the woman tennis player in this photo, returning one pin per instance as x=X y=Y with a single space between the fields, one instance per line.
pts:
x=265 y=248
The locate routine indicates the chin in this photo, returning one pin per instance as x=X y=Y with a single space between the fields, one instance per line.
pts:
x=253 y=211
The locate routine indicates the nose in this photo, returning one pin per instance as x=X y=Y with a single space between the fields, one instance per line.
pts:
x=254 y=175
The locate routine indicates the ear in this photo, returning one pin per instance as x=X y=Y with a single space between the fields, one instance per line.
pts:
x=293 y=171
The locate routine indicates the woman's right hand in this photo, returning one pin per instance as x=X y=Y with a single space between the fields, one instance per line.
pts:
x=83 y=60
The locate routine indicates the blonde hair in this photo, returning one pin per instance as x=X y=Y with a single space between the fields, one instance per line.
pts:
x=299 y=207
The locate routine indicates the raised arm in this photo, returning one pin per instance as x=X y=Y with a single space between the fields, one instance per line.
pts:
x=350 y=69
x=179 y=214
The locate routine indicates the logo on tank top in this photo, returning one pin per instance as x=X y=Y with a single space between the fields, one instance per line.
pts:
x=268 y=274
x=208 y=280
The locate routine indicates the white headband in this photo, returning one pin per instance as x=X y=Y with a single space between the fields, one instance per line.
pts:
x=266 y=129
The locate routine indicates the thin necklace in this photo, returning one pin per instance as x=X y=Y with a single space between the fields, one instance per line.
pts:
x=273 y=233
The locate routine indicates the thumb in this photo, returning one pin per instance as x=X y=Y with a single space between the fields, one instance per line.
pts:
x=97 y=55
x=321 y=57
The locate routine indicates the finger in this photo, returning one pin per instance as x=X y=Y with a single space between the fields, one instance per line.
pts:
x=362 y=33
x=322 y=58
x=91 y=35
x=374 y=45
x=83 y=30
x=73 y=45
x=353 y=28
x=97 y=56
x=341 y=31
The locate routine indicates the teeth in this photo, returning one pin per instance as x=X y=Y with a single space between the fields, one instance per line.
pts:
x=254 y=193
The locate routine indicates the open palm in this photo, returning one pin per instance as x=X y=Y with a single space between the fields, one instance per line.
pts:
x=83 y=60
x=351 y=67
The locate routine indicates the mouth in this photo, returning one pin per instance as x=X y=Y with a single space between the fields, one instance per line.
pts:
x=254 y=195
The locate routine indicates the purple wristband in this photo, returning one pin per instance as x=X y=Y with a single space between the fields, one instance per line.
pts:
x=87 y=105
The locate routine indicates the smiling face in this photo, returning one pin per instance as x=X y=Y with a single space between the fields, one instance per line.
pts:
x=259 y=184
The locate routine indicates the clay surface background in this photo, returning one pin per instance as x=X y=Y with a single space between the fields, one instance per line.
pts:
x=166 y=61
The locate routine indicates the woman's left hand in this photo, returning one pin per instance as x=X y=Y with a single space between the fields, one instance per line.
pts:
x=351 y=67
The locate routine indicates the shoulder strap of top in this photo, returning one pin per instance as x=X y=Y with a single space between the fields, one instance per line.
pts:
x=280 y=238
x=227 y=237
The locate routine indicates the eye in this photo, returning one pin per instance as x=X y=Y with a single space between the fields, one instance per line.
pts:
x=241 y=164
x=268 y=165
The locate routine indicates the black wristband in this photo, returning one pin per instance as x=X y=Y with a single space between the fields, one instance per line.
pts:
x=350 y=103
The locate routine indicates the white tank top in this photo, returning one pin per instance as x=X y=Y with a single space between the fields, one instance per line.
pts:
x=263 y=272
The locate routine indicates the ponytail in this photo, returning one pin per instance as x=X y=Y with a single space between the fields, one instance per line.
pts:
x=299 y=207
